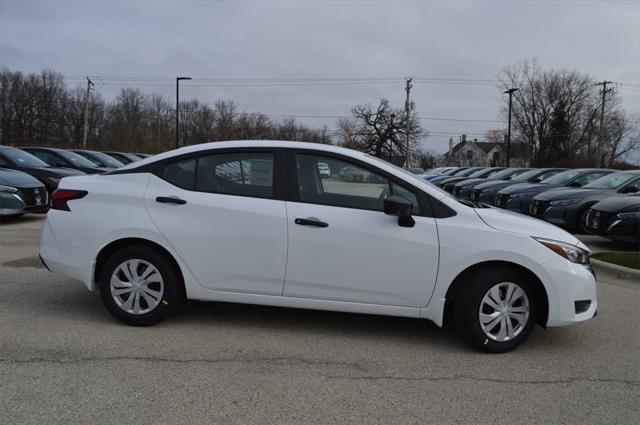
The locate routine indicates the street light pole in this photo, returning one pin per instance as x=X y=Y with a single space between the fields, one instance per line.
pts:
x=510 y=93
x=178 y=79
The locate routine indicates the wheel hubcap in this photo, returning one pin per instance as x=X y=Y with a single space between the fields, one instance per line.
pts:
x=504 y=311
x=137 y=286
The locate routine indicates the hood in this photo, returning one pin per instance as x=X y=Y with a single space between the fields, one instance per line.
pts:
x=528 y=187
x=508 y=221
x=567 y=193
x=63 y=172
x=619 y=204
x=495 y=185
x=470 y=182
x=16 y=178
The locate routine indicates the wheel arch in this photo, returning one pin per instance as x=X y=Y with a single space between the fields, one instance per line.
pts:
x=118 y=244
x=462 y=278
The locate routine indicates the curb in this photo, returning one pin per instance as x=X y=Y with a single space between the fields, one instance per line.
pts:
x=617 y=272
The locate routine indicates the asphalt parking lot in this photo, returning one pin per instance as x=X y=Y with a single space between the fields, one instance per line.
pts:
x=63 y=359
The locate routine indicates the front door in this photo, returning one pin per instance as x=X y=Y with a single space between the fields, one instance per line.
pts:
x=219 y=214
x=343 y=247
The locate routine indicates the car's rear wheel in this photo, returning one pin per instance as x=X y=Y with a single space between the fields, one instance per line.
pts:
x=496 y=310
x=140 y=286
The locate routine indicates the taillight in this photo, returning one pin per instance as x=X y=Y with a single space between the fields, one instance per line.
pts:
x=60 y=197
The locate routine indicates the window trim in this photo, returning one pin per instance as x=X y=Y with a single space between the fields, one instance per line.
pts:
x=425 y=206
x=156 y=168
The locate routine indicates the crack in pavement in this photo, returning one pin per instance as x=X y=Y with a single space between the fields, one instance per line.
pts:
x=481 y=379
x=273 y=360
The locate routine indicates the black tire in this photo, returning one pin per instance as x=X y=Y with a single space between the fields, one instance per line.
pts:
x=172 y=293
x=581 y=219
x=467 y=308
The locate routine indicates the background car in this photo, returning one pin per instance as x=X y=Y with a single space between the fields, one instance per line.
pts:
x=450 y=172
x=487 y=192
x=324 y=170
x=449 y=186
x=416 y=170
x=616 y=218
x=124 y=157
x=17 y=159
x=464 y=189
x=441 y=180
x=66 y=159
x=518 y=197
x=568 y=208
x=20 y=193
x=101 y=159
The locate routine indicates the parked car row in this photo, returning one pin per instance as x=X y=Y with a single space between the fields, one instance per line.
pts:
x=29 y=175
x=583 y=200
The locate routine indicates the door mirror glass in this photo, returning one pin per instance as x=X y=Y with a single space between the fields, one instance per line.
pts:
x=401 y=208
x=629 y=189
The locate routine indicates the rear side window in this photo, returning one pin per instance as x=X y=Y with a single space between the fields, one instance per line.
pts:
x=245 y=174
x=181 y=174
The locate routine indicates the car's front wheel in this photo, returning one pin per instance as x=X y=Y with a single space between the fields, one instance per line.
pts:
x=140 y=286
x=496 y=310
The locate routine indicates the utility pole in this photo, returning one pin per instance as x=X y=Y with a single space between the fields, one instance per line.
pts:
x=601 y=135
x=510 y=93
x=178 y=79
x=85 y=130
x=408 y=107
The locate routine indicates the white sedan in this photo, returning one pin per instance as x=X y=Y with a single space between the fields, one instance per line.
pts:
x=255 y=222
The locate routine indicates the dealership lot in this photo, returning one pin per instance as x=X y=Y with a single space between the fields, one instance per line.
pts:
x=64 y=359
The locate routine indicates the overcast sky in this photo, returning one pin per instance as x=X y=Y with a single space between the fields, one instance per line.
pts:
x=148 y=43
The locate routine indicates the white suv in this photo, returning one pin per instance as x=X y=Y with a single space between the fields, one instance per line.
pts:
x=254 y=222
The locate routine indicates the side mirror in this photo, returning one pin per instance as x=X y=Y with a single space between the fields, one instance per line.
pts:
x=575 y=184
x=536 y=180
x=629 y=189
x=401 y=208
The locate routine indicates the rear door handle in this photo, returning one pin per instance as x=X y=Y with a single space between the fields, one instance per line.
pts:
x=170 y=200
x=311 y=221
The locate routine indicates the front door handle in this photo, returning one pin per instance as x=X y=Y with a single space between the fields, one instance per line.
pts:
x=170 y=200
x=311 y=221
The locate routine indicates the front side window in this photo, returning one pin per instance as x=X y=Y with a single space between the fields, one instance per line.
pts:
x=245 y=174
x=347 y=185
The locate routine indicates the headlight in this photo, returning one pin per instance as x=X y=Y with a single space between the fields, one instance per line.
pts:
x=621 y=216
x=523 y=195
x=8 y=189
x=570 y=252
x=565 y=202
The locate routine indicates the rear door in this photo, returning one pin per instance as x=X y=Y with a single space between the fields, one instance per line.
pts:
x=224 y=215
x=343 y=247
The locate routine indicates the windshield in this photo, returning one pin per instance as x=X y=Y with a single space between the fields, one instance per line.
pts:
x=455 y=172
x=610 y=181
x=506 y=174
x=563 y=177
x=23 y=159
x=527 y=176
x=479 y=173
x=75 y=159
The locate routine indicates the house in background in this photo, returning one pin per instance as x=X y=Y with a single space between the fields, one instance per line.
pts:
x=472 y=153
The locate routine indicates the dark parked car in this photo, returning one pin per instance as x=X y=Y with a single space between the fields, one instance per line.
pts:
x=617 y=219
x=20 y=193
x=101 y=159
x=451 y=172
x=125 y=158
x=518 y=197
x=440 y=182
x=66 y=159
x=483 y=174
x=568 y=207
x=487 y=192
x=17 y=159
x=464 y=189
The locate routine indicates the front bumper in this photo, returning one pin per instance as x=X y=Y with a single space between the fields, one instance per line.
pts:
x=571 y=292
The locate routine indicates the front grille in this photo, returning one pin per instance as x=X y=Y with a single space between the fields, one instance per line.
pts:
x=457 y=191
x=598 y=220
x=34 y=197
x=476 y=194
x=538 y=208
